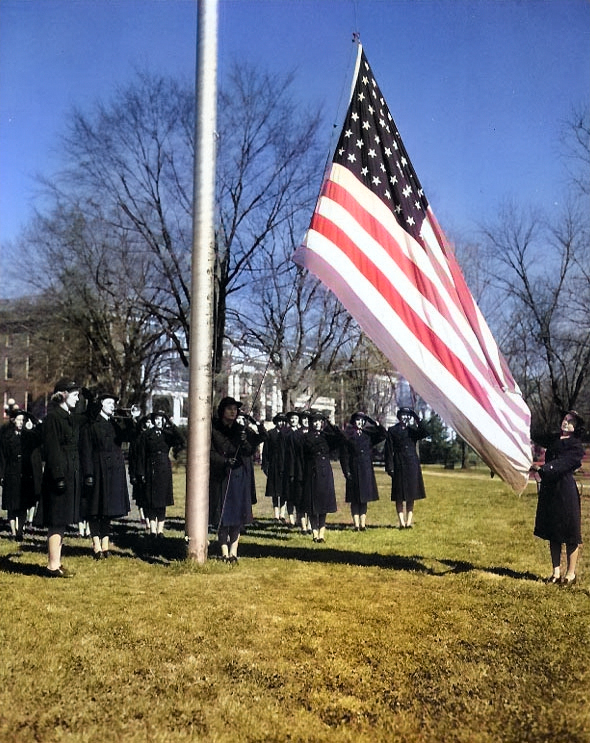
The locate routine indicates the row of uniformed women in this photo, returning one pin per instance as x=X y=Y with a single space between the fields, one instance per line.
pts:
x=297 y=462
x=21 y=468
x=84 y=474
x=294 y=460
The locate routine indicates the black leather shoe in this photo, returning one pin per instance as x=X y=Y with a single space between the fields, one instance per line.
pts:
x=552 y=579
x=568 y=582
x=59 y=573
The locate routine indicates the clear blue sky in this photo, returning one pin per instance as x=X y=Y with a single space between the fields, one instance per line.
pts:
x=478 y=88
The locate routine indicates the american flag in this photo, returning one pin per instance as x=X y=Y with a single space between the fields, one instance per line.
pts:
x=375 y=242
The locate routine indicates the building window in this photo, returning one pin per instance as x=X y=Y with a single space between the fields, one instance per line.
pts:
x=27 y=367
x=7 y=368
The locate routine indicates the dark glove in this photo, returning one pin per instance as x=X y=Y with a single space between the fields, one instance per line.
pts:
x=133 y=480
x=234 y=463
x=60 y=485
x=348 y=476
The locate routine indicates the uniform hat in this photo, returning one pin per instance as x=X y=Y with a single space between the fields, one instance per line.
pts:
x=315 y=415
x=158 y=414
x=405 y=411
x=107 y=396
x=65 y=384
x=294 y=413
x=279 y=417
x=225 y=403
x=357 y=415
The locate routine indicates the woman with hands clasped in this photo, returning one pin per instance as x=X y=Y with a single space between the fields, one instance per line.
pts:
x=558 y=517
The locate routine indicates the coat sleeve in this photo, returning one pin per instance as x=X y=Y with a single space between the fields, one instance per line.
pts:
x=86 y=454
x=55 y=462
x=388 y=452
x=2 y=457
x=568 y=460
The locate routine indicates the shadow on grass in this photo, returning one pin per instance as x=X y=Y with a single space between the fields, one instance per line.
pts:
x=273 y=541
x=10 y=564
x=460 y=566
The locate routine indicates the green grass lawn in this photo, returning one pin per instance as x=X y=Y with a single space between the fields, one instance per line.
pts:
x=445 y=632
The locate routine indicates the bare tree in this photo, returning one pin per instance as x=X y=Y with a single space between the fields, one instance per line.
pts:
x=268 y=164
x=297 y=324
x=128 y=165
x=576 y=149
x=81 y=271
x=547 y=330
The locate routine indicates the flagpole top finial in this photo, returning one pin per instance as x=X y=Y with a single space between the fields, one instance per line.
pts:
x=356 y=37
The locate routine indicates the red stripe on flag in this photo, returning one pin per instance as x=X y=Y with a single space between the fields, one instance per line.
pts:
x=411 y=320
x=423 y=284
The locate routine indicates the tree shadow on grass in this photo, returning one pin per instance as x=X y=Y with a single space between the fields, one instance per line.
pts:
x=10 y=563
x=460 y=566
x=332 y=556
x=272 y=541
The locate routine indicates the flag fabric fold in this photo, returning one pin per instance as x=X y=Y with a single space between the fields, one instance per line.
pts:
x=375 y=242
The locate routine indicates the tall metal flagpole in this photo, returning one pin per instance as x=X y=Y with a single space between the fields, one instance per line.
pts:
x=201 y=320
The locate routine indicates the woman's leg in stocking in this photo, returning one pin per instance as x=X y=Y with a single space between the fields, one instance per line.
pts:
x=95 y=533
x=322 y=527
x=234 y=538
x=363 y=516
x=355 y=513
x=399 y=507
x=55 y=536
x=315 y=525
x=555 y=549
x=223 y=538
x=572 y=551
x=409 y=513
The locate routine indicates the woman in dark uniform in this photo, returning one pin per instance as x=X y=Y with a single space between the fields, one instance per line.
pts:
x=20 y=469
x=156 y=469
x=103 y=465
x=135 y=476
x=403 y=466
x=273 y=463
x=231 y=485
x=558 y=517
x=356 y=459
x=319 y=496
x=61 y=485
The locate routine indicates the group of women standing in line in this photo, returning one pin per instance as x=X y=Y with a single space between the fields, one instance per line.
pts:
x=78 y=450
x=296 y=460
x=72 y=465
